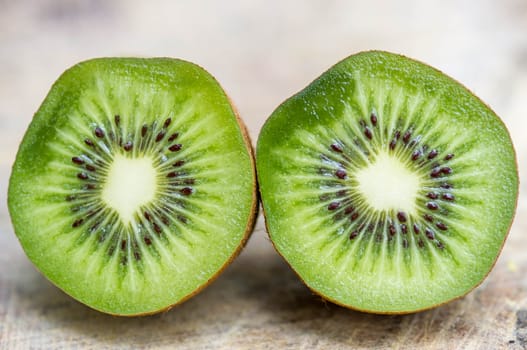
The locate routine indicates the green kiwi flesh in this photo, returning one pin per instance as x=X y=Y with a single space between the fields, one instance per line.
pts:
x=386 y=185
x=134 y=184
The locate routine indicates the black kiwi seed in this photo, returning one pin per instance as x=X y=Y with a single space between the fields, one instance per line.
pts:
x=160 y=135
x=341 y=174
x=391 y=229
x=432 y=205
x=429 y=234
x=175 y=148
x=373 y=119
x=147 y=240
x=436 y=172
x=446 y=170
x=186 y=191
x=402 y=216
x=333 y=205
x=406 y=136
x=433 y=153
x=336 y=147
x=448 y=197
x=99 y=132
x=157 y=228
x=441 y=226
x=77 y=160
x=128 y=146
x=367 y=133
x=432 y=195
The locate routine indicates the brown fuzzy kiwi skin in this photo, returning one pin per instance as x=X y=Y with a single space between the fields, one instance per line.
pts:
x=405 y=312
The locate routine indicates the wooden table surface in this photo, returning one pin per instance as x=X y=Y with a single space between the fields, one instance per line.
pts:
x=263 y=51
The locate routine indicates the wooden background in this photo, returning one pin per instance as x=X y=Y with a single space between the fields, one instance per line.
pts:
x=263 y=51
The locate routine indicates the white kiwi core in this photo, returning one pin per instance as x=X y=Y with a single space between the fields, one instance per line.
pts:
x=130 y=183
x=387 y=184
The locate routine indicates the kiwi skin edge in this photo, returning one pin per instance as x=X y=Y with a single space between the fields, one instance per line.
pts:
x=404 y=312
x=248 y=229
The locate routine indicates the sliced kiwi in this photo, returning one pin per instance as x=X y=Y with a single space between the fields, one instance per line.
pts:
x=386 y=185
x=134 y=185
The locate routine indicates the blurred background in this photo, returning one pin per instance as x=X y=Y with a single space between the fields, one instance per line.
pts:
x=261 y=51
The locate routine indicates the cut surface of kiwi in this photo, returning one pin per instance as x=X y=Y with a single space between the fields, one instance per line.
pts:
x=386 y=185
x=134 y=185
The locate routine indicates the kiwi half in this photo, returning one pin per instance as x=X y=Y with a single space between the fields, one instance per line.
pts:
x=134 y=185
x=386 y=185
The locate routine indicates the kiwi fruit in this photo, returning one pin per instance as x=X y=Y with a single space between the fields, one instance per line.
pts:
x=134 y=185
x=386 y=185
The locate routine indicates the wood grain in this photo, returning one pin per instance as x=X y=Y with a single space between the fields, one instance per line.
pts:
x=262 y=52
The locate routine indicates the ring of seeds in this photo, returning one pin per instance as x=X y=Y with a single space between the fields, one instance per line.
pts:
x=156 y=141
x=341 y=161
